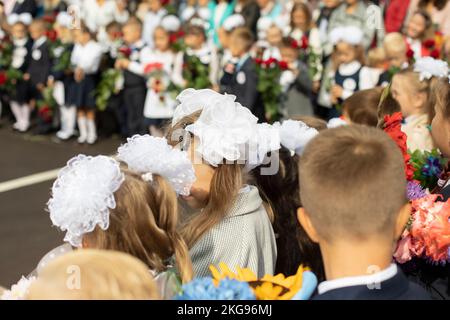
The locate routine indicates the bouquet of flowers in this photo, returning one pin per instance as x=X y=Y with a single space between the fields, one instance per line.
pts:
x=428 y=232
x=269 y=73
x=245 y=285
x=9 y=78
x=111 y=82
x=196 y=73
x=428 y=166
x=6 y=52
x=46 y=105
x=309 y=56
x=159 y=81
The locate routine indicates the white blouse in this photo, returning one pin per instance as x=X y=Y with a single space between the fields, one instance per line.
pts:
x=87 y=57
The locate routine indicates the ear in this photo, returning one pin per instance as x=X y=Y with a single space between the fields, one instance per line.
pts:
x=419 y=100
x=402 y=220
x=305 y=221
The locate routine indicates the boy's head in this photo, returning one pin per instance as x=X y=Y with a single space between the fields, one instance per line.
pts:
x=37 y=29
x=132 y=31
x=289 y=50
x=362 y=107
x=154 y=5
x=440 y=126
x=18 y=31
x=114 y=31
x=395 y=49
x=353 y=187
x=241 y=41
x=194 y=36
x=376 y=58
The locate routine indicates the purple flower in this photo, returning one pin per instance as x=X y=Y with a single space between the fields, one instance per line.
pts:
x=432 y=167
x=414 y=191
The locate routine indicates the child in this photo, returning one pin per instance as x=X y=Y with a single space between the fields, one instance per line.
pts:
x=195 y=40
x=348 y=61
x=135 y=87
x=376 y=61
x=302 y=30
x=104 y=275
x=63 y=75
x=159 y=103
x=20 y=58
x=133 y=211
x=357 y=236
x=362 y=107
x=241 y=78
x=270 y=12
x=295 y=81
x=152 y=20
x=412 y=90
x=85 y=59
x=274 y=37
x=231 y=224
x=232 y=22
x=395 y=49
x=419 y=29
x=38 y=71
x=220 y=11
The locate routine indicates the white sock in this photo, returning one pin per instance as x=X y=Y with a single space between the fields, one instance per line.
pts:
x=25 y=116
x=71 y=114
x=92 y=131
x=15 y=108
x=82 y=126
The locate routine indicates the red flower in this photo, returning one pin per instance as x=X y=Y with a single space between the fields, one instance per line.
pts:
x=45 y=113
x=165 y=2
x=152 y=67
x=430 y=43
x=270 y=61
x=410 y=54
x=258 y=61
x=283 y=65
x=125 y=51
x=3 y=78
x=435 y=54
x=51 y=35
x=305 y=43
x=294 y=44
x=392 y=126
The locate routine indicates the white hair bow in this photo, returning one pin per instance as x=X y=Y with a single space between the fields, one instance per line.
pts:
x=24 y=18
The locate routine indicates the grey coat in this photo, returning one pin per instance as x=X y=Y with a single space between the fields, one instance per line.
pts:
x=245 y=238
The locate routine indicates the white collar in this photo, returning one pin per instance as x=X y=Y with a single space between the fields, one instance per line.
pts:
x=245 y=189
x=39 y=42
x=20 y=42
x=368 y=280
x=347 y=69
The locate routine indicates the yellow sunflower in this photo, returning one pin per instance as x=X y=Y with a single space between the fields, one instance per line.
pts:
x=269 y=287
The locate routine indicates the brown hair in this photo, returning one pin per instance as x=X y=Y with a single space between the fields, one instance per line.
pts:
x=352 y=183
x=441 y=94
x=305 y=9
x=386 y=106
x=192 y=29
x=102 y=275
x=144 y=223
x=362 y=106
x=244 y=35
x=420 y=86
x=439 y=4
x=359 y=55
x=428 y=33
x=312 y=122
x=227 y=180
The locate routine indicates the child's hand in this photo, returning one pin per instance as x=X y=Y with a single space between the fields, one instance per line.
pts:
x=336 y=91
x=50 y=82
x=122 y=64
x=26 y=76
x=316 y=86
x=79 y=75
x=40 y=87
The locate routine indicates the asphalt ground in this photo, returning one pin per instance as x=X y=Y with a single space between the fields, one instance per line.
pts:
x=26 y=233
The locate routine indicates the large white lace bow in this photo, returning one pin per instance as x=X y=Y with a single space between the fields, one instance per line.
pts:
x=295 y=135
x=147 y=155
x=224 y=130
x=191 y=101
x=427 y=67
x=82 y=195
x=266 y=138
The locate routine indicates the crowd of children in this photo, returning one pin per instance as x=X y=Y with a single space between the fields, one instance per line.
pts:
x=302 y=138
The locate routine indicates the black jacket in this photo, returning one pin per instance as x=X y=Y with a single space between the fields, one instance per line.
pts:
x=243 y=84
x=28 y=6
x=39 y=69
x=396 y=288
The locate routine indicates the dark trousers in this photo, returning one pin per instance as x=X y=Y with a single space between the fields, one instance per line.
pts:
x=134 y=101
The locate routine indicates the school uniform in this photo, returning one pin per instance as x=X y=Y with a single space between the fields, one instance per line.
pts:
x=20 y=61
x=243 y=84
x=39 y=66
x=244 y=238
x=297 y=90
x=353 y=77
x=88 y=59
x=135 y=88
x=388 y=284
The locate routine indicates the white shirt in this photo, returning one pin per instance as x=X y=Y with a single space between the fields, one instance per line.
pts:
x=367 y=78
x=371 y=280
x=87 y=57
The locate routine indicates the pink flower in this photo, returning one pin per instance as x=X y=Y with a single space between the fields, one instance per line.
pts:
x=404 y=248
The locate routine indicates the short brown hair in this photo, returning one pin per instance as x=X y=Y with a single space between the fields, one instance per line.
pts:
x=245 y=36
x=362 y=107
x=352 y=183
x=441 y=93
